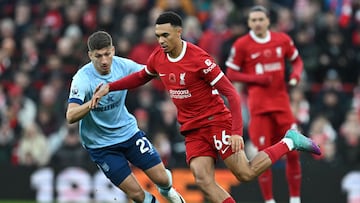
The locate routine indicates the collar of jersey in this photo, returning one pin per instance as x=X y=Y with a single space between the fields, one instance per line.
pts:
x=260 y=40
x=181 y=54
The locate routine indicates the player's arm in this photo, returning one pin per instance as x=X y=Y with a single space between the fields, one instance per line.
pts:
x=292 y=54
x=129 y=82
x=236 y=76
x=225 y=87
x=76 y=112
x=297 y=69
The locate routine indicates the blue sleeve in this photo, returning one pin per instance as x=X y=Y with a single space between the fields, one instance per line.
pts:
x=78 y=90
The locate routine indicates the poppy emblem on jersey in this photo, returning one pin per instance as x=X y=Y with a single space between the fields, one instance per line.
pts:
x=182 y=78
x=267 y=53
x=172 y=77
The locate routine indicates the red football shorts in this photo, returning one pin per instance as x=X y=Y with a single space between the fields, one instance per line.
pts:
x=269 y=128
x=209 y=141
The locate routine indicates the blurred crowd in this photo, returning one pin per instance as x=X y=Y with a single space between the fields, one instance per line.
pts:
x=43 y=43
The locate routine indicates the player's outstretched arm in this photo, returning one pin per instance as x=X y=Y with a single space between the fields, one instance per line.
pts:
x=129 y=82
x=236 y=76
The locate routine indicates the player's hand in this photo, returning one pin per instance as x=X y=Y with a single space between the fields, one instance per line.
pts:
x=237 y=143
x=100 y=91
x=293 y=82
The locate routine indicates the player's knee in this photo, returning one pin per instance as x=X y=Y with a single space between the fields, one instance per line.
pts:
x=136 y=196
x=203 y=181
x=165 y=181
x=244 y=176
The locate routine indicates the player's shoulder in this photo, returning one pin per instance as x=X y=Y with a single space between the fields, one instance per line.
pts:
x=157 y=52
x=194 y=50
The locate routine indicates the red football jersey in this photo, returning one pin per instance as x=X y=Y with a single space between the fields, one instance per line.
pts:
x=253 y=55
x=189 y=80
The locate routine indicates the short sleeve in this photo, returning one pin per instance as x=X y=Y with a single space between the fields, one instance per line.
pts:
x=78 y=89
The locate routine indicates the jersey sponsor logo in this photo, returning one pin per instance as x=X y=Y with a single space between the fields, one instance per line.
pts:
x=255 y=55
x=107 y=107
x=179 y=94
x=182 y=78
x=272 y=66
x=210 y=66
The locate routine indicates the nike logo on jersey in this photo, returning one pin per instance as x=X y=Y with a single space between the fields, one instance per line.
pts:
x=162 y=74
x=255 y=55
x=224 y=150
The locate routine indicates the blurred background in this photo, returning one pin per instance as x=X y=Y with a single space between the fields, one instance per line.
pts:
x=43 y=43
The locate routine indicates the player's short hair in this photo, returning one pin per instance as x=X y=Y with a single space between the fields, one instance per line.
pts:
x=261 y=9
x=99 y=40
x=169 y=17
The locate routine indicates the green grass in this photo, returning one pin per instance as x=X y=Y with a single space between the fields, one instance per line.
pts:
x=15 y=201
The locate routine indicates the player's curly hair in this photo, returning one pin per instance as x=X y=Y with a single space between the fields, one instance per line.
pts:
x=99 y=40
x=169 y=17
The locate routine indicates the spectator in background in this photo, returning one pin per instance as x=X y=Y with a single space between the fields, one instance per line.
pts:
x=23 y=19
x=300 y=107
x=192 y=29
x=32 y=148
x=331 y=101
x=71 y=152
x=51 y=109
x=349 y=140
x=7 y=141
x=22 y=110
x=7 y=57
x=217 y=30
x=142 y=50
x=322 y=131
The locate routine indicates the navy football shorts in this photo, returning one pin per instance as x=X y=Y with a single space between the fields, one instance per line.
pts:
x=113 y=160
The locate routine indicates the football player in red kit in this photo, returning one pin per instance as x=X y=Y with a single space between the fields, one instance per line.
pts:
x=258 y=59
x=194 y=83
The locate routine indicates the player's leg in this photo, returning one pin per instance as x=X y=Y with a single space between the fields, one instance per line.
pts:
x=145 y=157
x=261 y=137
x=286 y=121
x=162 y=177
x=202 y=163
x=114 y=165
x=133 y=190
x=247 y=170
x=203 y=170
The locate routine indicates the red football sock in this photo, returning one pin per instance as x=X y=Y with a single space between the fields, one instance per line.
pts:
x=293 y=173
x=265 y=183
x=276 y=151
x=229 y=200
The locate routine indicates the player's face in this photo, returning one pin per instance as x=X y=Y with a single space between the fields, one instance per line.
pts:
x=259 y=23
x=102 y=59
x=169 y=38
